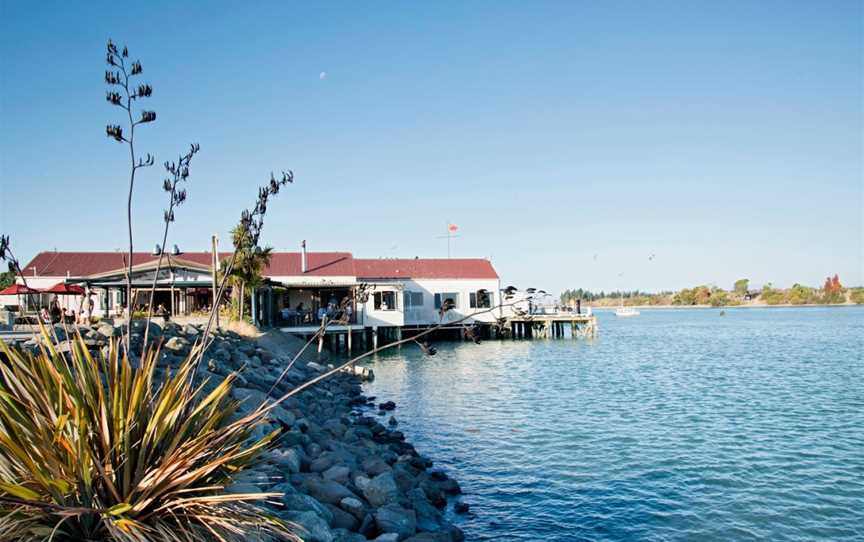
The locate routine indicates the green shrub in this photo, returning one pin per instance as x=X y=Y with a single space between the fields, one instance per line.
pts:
x=94 y=449
x=772 y=296
x=802 y=295
x=856 y=295
x=719 y=298
x=833 y=297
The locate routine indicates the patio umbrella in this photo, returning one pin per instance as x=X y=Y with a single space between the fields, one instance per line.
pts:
x=19 y=290
x=61 y=288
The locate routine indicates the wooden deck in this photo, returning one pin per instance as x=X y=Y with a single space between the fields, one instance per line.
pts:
x=553 y=325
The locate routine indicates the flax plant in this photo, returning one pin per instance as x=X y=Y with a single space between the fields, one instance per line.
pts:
x=123 y=93
x=178 y=173
x=96 y=449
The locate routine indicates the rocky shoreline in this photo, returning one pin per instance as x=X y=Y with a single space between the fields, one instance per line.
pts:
x=344 y=475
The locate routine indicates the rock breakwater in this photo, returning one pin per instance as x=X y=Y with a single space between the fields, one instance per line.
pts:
x=344 y=476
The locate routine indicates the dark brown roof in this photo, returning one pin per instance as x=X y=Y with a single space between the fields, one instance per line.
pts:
x=334 y=264
x=82 y=264
x=425 y=268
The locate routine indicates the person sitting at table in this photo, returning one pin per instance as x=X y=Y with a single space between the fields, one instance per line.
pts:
x=56 y=312
x=45 y=315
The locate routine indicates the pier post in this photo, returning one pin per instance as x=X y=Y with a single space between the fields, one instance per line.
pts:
x=374 y=337
x=349 y=339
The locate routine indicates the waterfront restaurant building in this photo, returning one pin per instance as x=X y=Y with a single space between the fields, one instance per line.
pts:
x=402 y=293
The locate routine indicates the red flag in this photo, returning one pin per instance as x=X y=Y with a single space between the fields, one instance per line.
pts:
x=452 y=228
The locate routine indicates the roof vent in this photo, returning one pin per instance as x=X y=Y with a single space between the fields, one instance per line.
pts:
x=157 y=250
x=176 y=251
x=303 y=267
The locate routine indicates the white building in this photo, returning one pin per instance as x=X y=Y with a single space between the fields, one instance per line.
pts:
x=410 y=292
x=299 y=286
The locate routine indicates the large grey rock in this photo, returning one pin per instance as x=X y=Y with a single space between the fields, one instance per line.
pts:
x=343 y=535
x=392 y=518
x=321 y=463
x=327 y=491
x=381 y=490
x=353 y=506
x=373 y=466
x=342 y=519
x=283 y=415
x=107 y=330
x=428 y=517
x=335 y=427
x=304 y=503
x=404 y=478
x=250 y=398
x=311 y=528
x=176 y=344
x=221 y=353
x=431 y=537
x=337 y=473
x=138 y=326
x=434 y=493
x=190 y=331
x=288 y=458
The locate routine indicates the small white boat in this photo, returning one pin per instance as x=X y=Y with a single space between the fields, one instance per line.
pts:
x=624 y=312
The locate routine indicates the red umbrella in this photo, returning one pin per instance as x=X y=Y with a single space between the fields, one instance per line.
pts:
x=19 y=289
x=65 y=289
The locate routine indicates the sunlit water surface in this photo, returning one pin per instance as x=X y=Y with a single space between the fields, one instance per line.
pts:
x=675 y=425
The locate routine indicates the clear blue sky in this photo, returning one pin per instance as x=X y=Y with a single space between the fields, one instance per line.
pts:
x=569 y=141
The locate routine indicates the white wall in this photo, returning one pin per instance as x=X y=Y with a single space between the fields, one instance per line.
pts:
x=427 y=314
x=382 y=318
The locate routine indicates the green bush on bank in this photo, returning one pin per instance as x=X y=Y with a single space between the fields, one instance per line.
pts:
x=92 y=449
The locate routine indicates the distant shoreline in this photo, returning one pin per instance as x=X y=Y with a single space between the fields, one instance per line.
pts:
x=742 y=306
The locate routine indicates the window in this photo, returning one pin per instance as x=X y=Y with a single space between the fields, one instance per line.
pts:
x=385 y=301
x=452 y=296
x=413 y=299
x=481 y=299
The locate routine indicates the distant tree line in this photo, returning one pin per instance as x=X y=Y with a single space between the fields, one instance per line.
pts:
x=569 y=297
x=831 y=292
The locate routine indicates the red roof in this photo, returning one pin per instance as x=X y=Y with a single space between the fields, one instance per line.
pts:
x=333 y=264
x=425 y=268
x=82 y=264
x=328 y=264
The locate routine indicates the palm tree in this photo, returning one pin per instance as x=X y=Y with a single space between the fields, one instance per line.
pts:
x=251 y=261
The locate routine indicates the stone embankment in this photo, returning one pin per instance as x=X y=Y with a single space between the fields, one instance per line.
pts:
x=344 y=475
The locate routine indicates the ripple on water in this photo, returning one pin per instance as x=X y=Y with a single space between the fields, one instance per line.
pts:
x=677 y=425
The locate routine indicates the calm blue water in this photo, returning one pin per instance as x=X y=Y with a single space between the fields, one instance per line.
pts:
x=676 y=425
